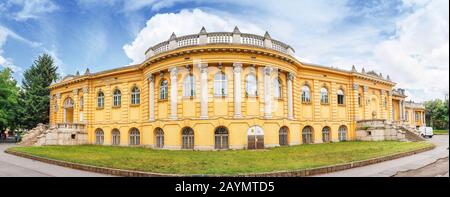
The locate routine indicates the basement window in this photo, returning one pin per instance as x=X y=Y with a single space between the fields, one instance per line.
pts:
x=73 y=136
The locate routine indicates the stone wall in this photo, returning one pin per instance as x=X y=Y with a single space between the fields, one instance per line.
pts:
x=43 y=135
x=378 y=130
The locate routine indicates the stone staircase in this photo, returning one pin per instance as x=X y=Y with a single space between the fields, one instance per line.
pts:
x=60 y=134
x=31 y=137
x=379 y=129
x=411 y=134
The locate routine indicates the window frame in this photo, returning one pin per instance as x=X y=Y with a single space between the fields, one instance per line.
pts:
x=278 y=88
x=342 y=129
x=117 y=98
x=189 y=86
x=164 y=90
x=324 y=96
x=134 y=137
x=115 y=137
x=100 y=100
x=306 y=94
x=247 y=85
x=99 y=136
x=340 y=96
x=326 y=131
x=135 y=96
x=221 y=84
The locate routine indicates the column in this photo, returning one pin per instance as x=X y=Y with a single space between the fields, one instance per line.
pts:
x=290 y=78
x=203 y=90
x=424 y=119
x=391 y=112
x=237 y=89
x=151 y=98
x=267 y=97
x=85 y=103
x=173 y=92
x=76 y=109
x=382 y=108
x=367 y=113
x=402 y=113
x=355 y=102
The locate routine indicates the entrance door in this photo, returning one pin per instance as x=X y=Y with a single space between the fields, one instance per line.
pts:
x=255 y=138
x=68 y=110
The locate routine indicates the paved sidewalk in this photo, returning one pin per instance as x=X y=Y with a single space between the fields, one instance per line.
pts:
x=410 y=163
x=13 y=166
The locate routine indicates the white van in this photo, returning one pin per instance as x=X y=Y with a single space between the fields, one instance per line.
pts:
x=426 y=132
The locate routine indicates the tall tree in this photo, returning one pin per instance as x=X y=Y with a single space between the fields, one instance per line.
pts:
x=35 y=94
x=437 y=113
x=8 y=100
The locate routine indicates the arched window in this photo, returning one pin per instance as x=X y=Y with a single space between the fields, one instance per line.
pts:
x=68 y=103
x=359 y=100
x=135 y=137
x=323 y=95
x=99 y=136
x=135 y=96
x=164 y=89
x=340 y=97
x=81 y=103
x=283 y=136
x=117 y=98
x=189 y=86
x=100 y=99
x=221 y=138
x=220 y=84
x=277 y=88
x=307 y=135
x=159 y=138
x=326 y=134
x=115 y=137
x=342 y=133
x=187 y=138
x=251 y=85
x=306 y=94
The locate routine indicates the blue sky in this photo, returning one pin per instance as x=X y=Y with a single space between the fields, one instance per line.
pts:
x=407 y=39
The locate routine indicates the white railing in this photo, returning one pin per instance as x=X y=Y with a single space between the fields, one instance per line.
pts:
x=163 y=47
x=252 y=40
x=188 y=41
x=278 y=46
x=76 y=126
x=219 y=38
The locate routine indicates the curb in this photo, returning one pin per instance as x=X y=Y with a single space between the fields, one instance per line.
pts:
x=291 y=173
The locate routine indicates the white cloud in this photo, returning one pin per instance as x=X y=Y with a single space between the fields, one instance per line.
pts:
x=6 y=62
x=160 y=27
x=418 y=55
x=130 y=5
x=6 y=33
x=30 y=9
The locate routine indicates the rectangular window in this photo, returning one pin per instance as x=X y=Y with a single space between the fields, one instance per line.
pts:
x=340 y=99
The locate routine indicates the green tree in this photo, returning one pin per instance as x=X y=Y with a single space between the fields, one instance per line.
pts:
x=8 y=100
x=437 y=113
x=35 y=94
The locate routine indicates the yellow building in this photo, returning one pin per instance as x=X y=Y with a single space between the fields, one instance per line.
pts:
x=222 y=91
x=414 y=114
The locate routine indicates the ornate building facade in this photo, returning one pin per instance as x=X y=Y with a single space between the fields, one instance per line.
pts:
x=223 y=90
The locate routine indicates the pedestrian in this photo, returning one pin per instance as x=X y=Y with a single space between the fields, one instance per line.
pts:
x=16 y=137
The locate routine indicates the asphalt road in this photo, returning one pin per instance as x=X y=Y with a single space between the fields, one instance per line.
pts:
x=433 y=163
x=13 y=166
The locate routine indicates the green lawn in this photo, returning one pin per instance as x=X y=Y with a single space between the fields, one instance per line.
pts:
x=440 y=132
x=230 y=162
